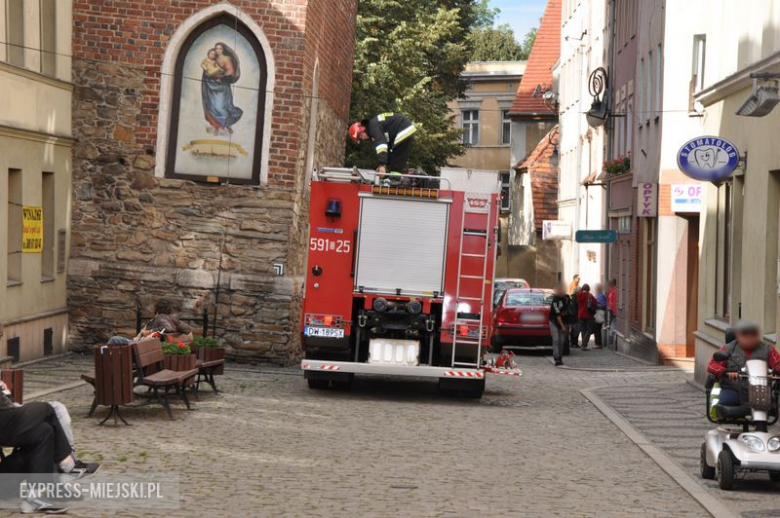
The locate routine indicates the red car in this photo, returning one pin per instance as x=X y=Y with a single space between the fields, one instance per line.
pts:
x=522 y=317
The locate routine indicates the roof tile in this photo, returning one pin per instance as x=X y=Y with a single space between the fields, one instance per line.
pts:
x=538 y=71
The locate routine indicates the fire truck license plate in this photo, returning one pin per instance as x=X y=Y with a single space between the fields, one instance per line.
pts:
x=324 y=332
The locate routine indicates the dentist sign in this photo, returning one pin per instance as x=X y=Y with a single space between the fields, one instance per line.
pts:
x=709 y=159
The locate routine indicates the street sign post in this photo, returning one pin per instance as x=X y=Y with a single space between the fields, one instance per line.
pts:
x=596 y=236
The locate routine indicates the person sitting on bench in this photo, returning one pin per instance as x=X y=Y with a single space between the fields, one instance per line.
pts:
x=748 y=345
x=165 y=320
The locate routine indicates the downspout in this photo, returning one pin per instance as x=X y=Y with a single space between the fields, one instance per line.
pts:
x=577 y=186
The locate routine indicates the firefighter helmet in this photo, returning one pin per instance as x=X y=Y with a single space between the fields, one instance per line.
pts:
x=355 y=130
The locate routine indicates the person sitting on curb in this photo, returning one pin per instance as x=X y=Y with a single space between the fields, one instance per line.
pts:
x=164 y=321
x=747 y=346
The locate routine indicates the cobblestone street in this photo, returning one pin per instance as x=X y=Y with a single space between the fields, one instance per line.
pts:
x=268 y=445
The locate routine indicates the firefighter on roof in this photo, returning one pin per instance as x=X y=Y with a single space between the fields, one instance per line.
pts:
x=392 y=134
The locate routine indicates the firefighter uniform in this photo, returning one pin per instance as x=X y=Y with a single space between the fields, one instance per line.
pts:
x=392 y=134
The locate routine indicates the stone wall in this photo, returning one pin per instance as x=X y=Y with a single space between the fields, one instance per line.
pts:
x=137 y=237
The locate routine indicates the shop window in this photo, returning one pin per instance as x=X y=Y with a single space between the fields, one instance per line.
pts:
x=648 y=273
x=723 y=229
x=470 y=124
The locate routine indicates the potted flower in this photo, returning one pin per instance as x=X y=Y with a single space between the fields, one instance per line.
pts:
x=179 y=357
x=622 y=164
x=209 y=349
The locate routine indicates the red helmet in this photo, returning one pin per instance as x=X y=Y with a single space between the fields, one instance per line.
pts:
x=355 y=130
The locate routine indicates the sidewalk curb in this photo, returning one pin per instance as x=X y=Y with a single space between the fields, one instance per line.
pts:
x=54 y=390
x=639 y=368
x=711 y=504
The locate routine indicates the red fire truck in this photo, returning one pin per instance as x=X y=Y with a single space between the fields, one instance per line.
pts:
x=399 y=280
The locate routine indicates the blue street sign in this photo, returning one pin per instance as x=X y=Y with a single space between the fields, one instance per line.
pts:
x=595 y=236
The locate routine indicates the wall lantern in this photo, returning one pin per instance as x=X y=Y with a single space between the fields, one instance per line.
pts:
x=598 y=84
x=763 y=99
x=555 y=156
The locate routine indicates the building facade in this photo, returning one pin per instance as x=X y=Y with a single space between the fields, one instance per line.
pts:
x=584 y=49
x=483 y=114
x=534 y=113
x=35 y=175
x=198 y=124
x=738 y=272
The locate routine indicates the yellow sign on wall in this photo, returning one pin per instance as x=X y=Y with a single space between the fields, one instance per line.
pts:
x=32 y=229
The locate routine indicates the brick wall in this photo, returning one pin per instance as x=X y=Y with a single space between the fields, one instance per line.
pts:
x=137 y=237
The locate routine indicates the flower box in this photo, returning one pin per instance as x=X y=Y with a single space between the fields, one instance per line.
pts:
x=181 y=362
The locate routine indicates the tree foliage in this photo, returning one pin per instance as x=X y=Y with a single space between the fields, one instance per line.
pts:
x=408 y=58
x=496 y=44
x=528 y=42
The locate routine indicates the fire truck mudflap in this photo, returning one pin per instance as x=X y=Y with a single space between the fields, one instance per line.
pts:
x=399 y=280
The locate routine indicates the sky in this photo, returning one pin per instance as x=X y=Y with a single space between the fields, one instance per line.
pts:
x=521 y=15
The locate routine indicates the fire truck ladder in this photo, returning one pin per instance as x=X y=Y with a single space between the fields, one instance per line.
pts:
x=471 y=274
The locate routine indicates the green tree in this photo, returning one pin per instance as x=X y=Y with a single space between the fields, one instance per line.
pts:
x=528 y=42
x=484 y=15
x=408 y=58
x=496 y=44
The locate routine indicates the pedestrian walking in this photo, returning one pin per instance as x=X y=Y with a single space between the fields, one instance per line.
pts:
x=573 y=321
x=612 y=303
x=586 y=312
x=558 y=323
x=601 y=314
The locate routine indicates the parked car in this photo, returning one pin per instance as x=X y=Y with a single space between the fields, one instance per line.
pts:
x=501 y=285
x=522 y=318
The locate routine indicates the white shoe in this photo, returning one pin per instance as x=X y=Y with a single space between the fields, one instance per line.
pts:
x=35 y=505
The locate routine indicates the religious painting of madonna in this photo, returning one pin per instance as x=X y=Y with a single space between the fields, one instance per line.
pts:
x=218 y=105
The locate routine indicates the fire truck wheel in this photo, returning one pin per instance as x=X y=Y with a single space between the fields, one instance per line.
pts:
x=318 y=384
x=495 y=345
x=462 y=388
x=343 y=384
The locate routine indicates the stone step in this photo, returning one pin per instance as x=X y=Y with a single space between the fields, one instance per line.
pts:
x=686 y=364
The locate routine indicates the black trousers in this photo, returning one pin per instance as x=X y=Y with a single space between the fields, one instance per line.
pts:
x=399 y=156
x=36 y=432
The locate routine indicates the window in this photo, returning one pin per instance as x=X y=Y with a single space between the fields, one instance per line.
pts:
x=624 y=225
x=657 y=83
x=723 y=228
x=641 y=102
x=648 y=273
x=649 y=86
x=14 y=227
x=48 y=37
x=47 y=202
x=506 y=201
x=470 y=125
x=14 y=32
x=697 y=68
x=506 y=128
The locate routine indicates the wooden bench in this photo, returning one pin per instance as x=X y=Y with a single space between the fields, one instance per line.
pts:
x=149 y=353
x=211 y=362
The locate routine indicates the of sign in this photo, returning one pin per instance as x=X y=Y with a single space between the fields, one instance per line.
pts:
x=556 y=230
x=687 y=197
x=32 y=229
x=596 y=236
x=647 y=200
x=709 y=159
